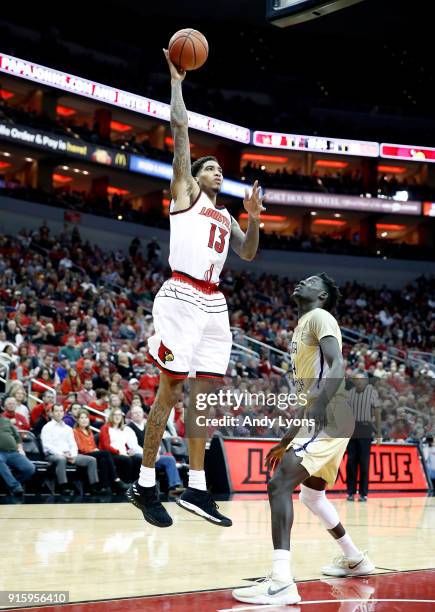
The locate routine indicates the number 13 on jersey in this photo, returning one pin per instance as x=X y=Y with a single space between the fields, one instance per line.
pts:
x=217 y=244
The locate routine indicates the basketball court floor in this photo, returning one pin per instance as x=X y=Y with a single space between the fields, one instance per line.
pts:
x=110 y=559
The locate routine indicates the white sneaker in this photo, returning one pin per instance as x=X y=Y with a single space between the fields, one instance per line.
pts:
x=269 y=591
x=347 y=566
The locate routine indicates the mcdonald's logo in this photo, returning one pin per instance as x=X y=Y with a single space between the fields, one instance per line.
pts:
x=121 y=160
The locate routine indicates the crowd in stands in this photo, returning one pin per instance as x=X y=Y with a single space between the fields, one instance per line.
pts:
x=117 y=207
x=346 y=182
x=74 y=323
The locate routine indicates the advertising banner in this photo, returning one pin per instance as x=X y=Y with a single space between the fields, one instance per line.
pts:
x=46 y=141
x=393 y=467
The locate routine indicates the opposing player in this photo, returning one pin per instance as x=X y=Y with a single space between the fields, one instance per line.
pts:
x=192 y=334
x=310 y=458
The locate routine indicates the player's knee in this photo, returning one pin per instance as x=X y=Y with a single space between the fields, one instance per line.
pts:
x=311 y=498
x=170 y=389
x=319 y=504
x=278 y=485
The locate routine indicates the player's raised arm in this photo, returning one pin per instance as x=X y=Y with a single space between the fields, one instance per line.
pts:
x=184 y=188
x=246 y=245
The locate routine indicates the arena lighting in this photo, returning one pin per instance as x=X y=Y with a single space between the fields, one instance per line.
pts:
x=332 y=222
x=4 y=164
x=266 y=218
x=117 y=126
x=392 y=169
x=65 y=111
x=116 y=190
x=61 y=178
x=117 y=97
x=329 y=163
x=390 y=227
x=271 y=159
x=6 y=95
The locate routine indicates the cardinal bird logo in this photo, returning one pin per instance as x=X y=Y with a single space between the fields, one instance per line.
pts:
x=165 y=354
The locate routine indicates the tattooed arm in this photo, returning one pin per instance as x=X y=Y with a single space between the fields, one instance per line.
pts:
x=246 y=245
x=184 y=188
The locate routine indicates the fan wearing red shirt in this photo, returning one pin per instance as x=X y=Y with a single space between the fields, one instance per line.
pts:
x=20 y=421
x=41 y=412
x=149 y=380
x=101 y=404
x=71 y=383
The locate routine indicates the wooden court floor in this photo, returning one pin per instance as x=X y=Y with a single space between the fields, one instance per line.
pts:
x=107 y=551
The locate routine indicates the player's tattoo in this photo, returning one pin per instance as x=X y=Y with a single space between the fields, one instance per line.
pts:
x=179 y=124
x=155 y=428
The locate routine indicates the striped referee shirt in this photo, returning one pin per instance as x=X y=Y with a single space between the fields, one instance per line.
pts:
x=363 y=402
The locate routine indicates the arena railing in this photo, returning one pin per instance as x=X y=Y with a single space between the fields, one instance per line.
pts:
x=96 y=412
x=35 y=398
x=5 y=361
x=250 y=353
x=422 y=357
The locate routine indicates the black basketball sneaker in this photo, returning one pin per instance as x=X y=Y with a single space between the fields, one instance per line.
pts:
x=147 y=499
x=202 y=504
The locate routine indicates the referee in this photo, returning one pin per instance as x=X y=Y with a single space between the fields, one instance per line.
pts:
x=364 y=401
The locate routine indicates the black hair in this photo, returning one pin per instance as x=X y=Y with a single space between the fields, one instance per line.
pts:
x=333 y=291
x=198 y=164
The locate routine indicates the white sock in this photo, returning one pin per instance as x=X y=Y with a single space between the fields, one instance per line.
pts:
x=348 y=547
x=147 y=476
x=197 y=480
x=281 y=565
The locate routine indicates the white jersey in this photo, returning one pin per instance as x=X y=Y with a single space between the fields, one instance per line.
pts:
x=199 y=241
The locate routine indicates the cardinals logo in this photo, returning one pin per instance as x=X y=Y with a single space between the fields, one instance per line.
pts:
x=165 y=354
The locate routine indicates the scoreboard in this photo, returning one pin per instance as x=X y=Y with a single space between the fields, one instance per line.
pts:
x=285 y=13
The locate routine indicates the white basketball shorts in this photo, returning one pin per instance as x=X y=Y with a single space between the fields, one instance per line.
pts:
x=192 y=332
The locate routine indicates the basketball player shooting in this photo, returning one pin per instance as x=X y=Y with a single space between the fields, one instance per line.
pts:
x=310 y=459
x=192 y=334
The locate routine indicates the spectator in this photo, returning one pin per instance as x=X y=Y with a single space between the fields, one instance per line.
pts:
x=16 y=419
x=85 y=441
x=133 y=386
x=60 y=448
x=40 y=384
x=15 y=468
x=102 y=380
x=122 y=443
x=71 y=416
x=163 y=460
x=20 y=395
x=41 y=413
x=87 y=394
x=72 y=382
x=62 y=368
x=101 y=404
x=71 y=351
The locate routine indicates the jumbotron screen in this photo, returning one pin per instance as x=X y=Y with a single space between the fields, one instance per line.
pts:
x=284 y=13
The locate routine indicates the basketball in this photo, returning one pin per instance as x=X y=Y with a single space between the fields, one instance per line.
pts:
x=188 y=49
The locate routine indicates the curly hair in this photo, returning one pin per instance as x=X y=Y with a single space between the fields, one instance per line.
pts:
x=198 y=164
x=333 y=291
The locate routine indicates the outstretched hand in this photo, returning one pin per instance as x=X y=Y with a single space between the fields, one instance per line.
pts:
x=177 y=74
x=253 y=203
